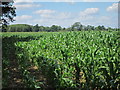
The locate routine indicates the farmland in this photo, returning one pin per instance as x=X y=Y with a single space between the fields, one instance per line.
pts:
x=85 y=60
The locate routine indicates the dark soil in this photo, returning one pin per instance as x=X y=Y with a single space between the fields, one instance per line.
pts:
x=15 y=78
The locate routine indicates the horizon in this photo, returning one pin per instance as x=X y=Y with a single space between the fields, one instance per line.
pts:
x=66 y=14
x=63 y=27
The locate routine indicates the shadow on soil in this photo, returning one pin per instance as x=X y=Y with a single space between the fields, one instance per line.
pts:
x=11 y=75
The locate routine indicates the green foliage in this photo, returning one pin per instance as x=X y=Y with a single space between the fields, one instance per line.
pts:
x=19 y=28
x=8 y=53
x=86 y=59
x=77 y=26
x=8 y=13
x=55 y=28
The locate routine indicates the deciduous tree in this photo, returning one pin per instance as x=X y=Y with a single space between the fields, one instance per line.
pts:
x=7 y=13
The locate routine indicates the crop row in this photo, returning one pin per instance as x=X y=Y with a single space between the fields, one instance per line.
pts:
x=86 y=60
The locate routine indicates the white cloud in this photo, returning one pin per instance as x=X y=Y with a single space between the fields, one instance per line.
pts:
x=66 y=0
x=114 y=7
x=102 y=20
x=90 y=0
x=49 y=17
x=26 y=5
x=44 y=11
x=99 y=0
x=64 y=15
x=108 y=21
x=45 y=15
x=67 y=19
x=56 y=18
x=54 y=21
x=89 y=11
x=23 y=17
x=17 y=1
x=52 y=16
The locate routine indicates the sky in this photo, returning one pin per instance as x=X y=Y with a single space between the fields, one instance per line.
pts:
x=67 y=12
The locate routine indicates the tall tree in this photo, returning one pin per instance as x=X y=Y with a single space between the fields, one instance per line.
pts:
x=41 y=28
x=55 y=28
x=101 y=27
x=36 y=28
x=77 y=26
x=89 y=27
x=7 y=13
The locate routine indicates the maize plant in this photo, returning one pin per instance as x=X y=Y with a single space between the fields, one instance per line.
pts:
x=84 y=60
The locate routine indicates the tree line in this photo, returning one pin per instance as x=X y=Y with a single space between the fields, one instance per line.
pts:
x=77 y=26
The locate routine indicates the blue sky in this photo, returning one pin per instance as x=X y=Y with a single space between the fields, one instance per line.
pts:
x=67 y=13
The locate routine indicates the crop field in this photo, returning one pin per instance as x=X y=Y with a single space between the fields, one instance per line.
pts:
x=80 y=60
